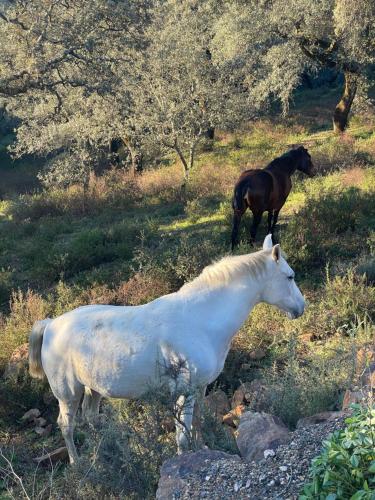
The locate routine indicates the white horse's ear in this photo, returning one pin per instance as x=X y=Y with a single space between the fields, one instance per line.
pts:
x=267 y=243
x=276 y=252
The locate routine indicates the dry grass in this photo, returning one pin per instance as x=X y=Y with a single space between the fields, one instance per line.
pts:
x=142 y=288
x=354 y=176
x=25 y=309
x=162 y=182
x=210 y=180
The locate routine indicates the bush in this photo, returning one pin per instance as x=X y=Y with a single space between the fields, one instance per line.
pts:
x=299 y=386
x=346 y=466
x=25 y=309
x=345 y=300
x=338 y=152
x=115 y=189
x=333 y=224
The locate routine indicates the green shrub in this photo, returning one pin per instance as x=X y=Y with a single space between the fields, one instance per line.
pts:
x=302 y=385
x=367 y=269
x=115 y=189
x=346 y=467
x=332 y=224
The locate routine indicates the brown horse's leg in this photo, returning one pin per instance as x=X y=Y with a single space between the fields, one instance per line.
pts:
x=275 y=217
x=235 y=226
x=269 y=221
x=257 y=217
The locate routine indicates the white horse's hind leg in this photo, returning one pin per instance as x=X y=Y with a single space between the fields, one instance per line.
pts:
x=68 y=410
x=184 y=418
x=90 y=404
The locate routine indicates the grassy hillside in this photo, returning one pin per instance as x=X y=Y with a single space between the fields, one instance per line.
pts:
x=128 y=241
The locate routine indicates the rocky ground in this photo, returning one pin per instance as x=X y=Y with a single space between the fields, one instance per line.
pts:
x=281 y=475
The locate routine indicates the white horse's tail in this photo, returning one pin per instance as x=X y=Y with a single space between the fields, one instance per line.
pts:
x=35 y=348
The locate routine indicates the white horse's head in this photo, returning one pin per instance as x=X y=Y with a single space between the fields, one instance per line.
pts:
x=281 y=290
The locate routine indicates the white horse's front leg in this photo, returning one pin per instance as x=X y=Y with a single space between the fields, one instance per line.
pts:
x=184 y=410
x=197 y=419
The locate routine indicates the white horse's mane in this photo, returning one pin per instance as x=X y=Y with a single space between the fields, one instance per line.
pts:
x=228 y=269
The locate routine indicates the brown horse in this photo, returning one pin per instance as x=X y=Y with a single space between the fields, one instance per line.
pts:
x=267 y=189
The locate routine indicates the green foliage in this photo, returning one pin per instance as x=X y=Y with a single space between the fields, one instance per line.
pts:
x=346 y=467
x=305 y=385
x=333 y=223
x=280 y=41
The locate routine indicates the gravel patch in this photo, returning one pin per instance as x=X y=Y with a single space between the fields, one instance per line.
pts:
x=279 y=476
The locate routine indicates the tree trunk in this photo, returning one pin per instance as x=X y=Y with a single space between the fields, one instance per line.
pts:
x=137 y=161
x=210 y=133
x=183 y=161
x=135 y=157
x=340 y=116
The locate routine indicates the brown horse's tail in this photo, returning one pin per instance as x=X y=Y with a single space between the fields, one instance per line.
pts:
x=35 y=348
x=238 y=202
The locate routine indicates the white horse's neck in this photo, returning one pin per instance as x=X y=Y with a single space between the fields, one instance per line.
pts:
x=225 y=308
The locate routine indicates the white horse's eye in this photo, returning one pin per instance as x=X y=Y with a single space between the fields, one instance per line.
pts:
x=291 y=277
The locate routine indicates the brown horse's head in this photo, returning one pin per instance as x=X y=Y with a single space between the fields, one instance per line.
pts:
x=305 y=163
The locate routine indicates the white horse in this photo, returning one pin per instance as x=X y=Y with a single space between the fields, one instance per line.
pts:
x=182 y=338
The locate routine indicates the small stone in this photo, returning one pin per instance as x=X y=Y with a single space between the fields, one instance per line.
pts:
x=43 y=431
x=40 y=422
x=248 y=483
x=283 y=468
x=269 y=453
x=257 y=354
x=207 y=478
x=236 y=486
x=271 y=483
x=30 y=415
x=246 y=366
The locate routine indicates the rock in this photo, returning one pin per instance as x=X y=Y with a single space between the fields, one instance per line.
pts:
x=319 y=418
x=268 y=453
x=258 y=432
x=246 y=366
x=254 y=392
x=174 y=472
x=43 y=431
x=59 y=455
x=242 y=394
x=18 y=363
x=31 y=415
x=233 y=417
x=40 y=422
x=257 y=354
x=218 y=404
x=278 y=478
x=351 y=397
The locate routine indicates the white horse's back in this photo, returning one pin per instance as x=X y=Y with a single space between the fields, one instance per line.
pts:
x=103 y=348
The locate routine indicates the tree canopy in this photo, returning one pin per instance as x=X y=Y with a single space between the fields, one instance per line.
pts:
x=282 y=39
x=160 y=73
